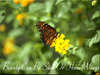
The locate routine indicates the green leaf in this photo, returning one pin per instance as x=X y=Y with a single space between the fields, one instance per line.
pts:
x=96 y=15
x=16 y=32
x=55 y=64
x=49 y=5
x=27 y=47
x=37 y=7
x=1 y=16
x=59 y=1
x=9 y=18
x=95 y=39
x=81 y=53
x=95 y=62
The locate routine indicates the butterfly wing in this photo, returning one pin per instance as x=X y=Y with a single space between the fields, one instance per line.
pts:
x=47 y=33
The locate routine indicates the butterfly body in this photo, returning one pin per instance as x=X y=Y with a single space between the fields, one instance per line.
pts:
x=47 y=32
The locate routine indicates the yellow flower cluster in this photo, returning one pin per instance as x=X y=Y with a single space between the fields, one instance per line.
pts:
x=20 y=18
x=2 y=28
x=61 y=45
x=94 y=2
x=8 y=46
x=23 y=3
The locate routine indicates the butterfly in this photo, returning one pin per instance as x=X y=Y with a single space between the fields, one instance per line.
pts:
x=47 y=33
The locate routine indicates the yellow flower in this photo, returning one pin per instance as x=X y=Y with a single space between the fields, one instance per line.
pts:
x=20 y=18
x=2 y=28
x=94 y=2
x=25 y=3
x=16 y=1
x=30 y=1
x=61 y=45
x=8 y=46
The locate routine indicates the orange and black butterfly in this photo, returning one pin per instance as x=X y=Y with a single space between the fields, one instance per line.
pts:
x=47 y=33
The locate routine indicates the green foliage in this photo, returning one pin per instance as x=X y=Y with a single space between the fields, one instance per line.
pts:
x=96 y=15
x=21 y=46
x=95 y=39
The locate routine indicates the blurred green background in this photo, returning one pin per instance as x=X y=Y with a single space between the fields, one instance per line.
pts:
x=21 y=49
